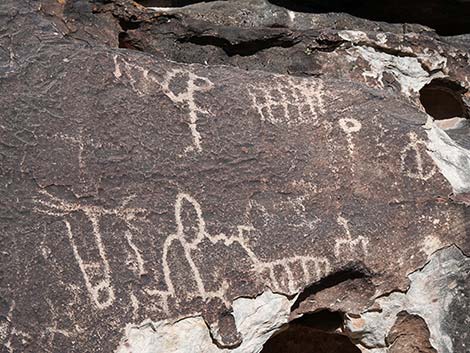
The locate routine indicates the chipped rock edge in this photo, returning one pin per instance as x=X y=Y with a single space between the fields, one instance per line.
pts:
x=428 y=296
x=256 y=320
x=452 y=159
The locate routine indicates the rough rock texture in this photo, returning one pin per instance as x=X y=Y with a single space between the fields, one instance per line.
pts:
x=191 y=180
x=434 y=294
x=409 y=334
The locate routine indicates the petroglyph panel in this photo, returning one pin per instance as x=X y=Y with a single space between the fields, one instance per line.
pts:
x=170 y=190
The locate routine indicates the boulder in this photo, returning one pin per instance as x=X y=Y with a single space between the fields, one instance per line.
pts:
x=200 y=179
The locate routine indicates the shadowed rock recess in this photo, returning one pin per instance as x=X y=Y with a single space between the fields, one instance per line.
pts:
x=234 y=176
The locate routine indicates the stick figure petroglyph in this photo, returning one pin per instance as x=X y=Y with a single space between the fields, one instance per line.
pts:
x=186 y=97
x=180 y=85
x=349 y=242
x=350 y=126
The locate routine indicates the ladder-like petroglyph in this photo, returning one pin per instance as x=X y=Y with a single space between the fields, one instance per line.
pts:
x=97 y=273
x=288 y=100
x=412 y=163
x=313 y=268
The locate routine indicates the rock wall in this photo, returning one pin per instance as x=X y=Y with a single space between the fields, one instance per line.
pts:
x=230 y=177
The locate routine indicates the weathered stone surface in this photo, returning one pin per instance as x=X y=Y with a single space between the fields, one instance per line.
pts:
x=259 y=35
x=156 y=196
x=409 y=334
x=434 y=294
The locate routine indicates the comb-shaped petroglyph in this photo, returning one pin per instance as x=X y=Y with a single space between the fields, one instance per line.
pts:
x=313 y=268
x=349 y=242
x=96 y=274
x=288 y=100
x=413 y=151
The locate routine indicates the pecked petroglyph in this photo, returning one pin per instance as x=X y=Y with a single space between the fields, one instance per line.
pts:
x=180 y=85
x=49 y=333
x=320 y=265
x=192 y=245
x=97 y=273
x=412 y=162
x=312 y=269
x=349 y=243
x=350 y=126
x=193 y=84
x=288 y=101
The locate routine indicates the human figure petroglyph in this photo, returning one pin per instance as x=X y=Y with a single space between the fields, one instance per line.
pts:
x=191 y=245
x=193 y=84
x=414 y=149
x=180 y=85
x=288 y=100
x=350 y=126
x=96 y=273
x=349 y=242
x=321 y=265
